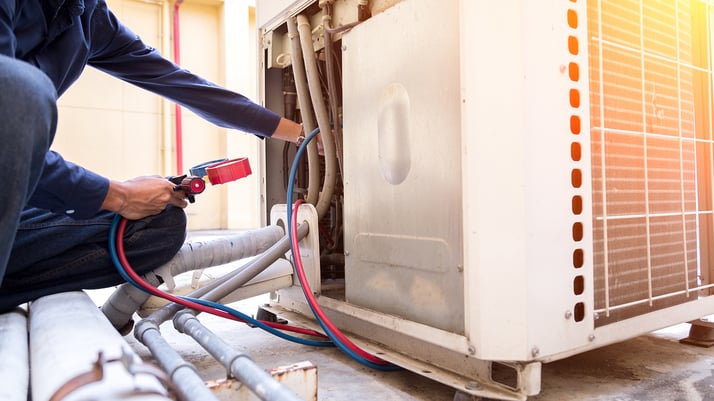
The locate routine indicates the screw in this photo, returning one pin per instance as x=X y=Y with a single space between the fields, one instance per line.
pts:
x=344 y=48
x=472 y=386
x=591 y=337
x=568 y=314
x=347 y=253
x=472 y=349
x=535 y=351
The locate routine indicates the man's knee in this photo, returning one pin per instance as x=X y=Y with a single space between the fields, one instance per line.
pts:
x=171 y=224
x=28 y=101
x=172 y=218
x=21 y=80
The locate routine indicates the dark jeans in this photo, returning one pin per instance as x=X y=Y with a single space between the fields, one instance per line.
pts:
x=41 y=252
x=54 y=253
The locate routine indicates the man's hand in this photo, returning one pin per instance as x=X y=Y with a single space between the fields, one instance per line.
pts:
x=142 y=196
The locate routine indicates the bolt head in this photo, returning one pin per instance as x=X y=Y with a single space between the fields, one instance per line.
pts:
x=535 y=351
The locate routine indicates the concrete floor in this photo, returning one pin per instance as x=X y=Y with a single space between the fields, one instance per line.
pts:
x=650 y=367
x=653 y=367
x=339 y=378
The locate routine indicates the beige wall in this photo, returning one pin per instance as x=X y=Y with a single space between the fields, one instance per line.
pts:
x=110 y=127
x=122 y=132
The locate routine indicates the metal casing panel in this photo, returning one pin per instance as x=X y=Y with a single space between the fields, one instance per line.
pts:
x=468 y=178
x=529 y=294
x=402 y=167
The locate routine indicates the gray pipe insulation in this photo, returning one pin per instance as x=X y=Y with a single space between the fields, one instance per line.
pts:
x=306 y=111
x=181 y=372
x=323 y=119
x=76 y=354
x=122 y=304
x=237 y=364
x=15 y=361
x=332 y=83
x=221 y=287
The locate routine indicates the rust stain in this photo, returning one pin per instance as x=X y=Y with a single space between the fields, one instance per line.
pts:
x=223 y=384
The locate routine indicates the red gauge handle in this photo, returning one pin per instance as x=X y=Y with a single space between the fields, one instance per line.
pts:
x=230 y=170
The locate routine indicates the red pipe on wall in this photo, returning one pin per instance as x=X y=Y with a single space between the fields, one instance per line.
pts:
x=177 y=108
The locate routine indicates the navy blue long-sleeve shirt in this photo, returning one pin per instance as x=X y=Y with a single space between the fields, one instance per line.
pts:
x=61 y=37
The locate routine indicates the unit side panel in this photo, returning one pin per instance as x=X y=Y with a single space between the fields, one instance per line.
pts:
x=526 y=183
x=559 y=203
x=493 y=179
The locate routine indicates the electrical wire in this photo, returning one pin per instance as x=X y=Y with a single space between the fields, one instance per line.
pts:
x=338 y=338
x=116 y=251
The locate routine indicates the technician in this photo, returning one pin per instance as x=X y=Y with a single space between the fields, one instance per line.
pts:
x=55 y=215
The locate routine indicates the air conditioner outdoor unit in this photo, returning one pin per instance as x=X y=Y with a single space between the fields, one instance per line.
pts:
x=523 y=180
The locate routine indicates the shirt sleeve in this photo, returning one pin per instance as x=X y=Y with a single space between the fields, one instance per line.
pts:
x=7 y=36
x=120 y=52
x=65 y=187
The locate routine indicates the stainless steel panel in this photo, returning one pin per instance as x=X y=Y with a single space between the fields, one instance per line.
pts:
x=403 y=218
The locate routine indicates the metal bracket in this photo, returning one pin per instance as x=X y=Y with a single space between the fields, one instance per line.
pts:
x=309 y=246
x=96 y=374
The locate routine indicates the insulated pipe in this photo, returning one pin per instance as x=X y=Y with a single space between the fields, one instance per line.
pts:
x=180 y=371
x=237 y=364
x=308 y=118
x=223 y=286
x=15 y=361
x=76 y=354
x=124 y=301
x=183 y=374
x=332 y=84
x=323 y=120
x=219 y=251
x=122 y=304
x=253 y=268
